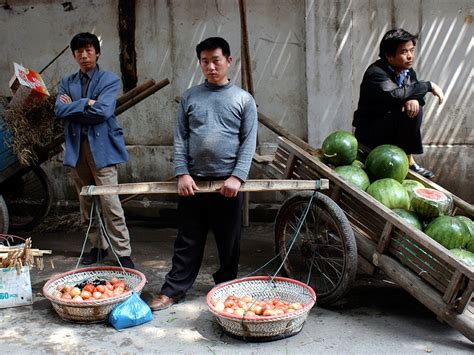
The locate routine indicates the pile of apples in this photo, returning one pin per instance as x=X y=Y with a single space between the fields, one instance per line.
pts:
x=90 y=291
x=248 y=307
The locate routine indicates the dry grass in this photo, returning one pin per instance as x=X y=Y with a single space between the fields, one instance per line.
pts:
x=33 y=128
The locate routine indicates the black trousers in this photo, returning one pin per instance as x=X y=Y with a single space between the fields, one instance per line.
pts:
x=397 y=129
x=197 y=215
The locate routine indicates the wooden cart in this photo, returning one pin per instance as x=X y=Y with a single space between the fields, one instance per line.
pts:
x=417 y=263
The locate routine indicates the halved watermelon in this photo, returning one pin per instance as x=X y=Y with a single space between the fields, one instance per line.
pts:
x=429 y=203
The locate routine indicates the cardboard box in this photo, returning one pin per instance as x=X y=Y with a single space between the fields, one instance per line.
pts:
x=15 y=289
x=27 y=86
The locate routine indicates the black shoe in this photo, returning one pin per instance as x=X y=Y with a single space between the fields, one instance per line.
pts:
x=127 y=262
x=422 y=171
x=94 y=255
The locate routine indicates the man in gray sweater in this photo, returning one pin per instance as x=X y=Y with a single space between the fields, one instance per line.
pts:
x=215 y=138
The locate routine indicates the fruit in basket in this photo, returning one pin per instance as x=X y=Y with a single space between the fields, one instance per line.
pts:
x=390 y=193
x=340 y=148
x=448 y=231
x=464 y=256
x=429 y=203
x=90 y=290
x=387 y=161
x=248 y=307
x=409 y=217
x=354 y=175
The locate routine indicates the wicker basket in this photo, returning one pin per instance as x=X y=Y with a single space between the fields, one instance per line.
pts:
x=261 y=287
x=97 y=310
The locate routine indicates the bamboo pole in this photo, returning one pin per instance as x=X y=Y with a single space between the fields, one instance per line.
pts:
x=204 y=187
x=134 y=92
x=141 y=96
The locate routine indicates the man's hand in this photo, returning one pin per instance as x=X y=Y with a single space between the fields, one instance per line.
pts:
x=231 y=187
x=411 y=107
x=186 y=185
x=90 y=102
x=436 y=91
x=65 y=99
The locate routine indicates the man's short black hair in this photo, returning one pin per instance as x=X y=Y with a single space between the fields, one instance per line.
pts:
x=392 y=39
x=84 y=39
x=212 y=43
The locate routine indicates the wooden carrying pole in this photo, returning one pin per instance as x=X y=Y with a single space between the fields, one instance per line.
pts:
x=204 y=187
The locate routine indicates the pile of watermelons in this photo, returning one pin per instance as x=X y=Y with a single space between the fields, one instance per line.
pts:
x=383 y=176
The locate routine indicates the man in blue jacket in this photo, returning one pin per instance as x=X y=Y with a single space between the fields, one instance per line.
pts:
x=94 y=143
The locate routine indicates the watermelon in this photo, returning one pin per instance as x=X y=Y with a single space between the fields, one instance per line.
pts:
x=390 y=193
x=464 y=255
x=340 y=148
x=448 y=231
x=354 y=175
x=409 y=217
x=429 y=203
x=358 y=163
x=409 y=185
x=387 y=161
x=470 y=225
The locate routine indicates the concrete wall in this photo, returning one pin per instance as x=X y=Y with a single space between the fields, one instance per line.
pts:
x=308 y=58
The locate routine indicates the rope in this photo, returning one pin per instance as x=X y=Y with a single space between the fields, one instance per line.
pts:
x=95 y=207
x=271 y=282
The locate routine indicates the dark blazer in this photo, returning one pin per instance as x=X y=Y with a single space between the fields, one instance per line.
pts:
x=103 y=132
x=380 y=103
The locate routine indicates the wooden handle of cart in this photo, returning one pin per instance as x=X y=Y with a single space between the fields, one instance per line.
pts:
x=204 y=187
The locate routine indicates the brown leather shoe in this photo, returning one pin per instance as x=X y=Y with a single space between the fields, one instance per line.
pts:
x=161 y=301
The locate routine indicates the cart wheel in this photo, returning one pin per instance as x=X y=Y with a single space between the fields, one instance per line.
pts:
x=28 y=198
x=324 y=254
x=3 y=216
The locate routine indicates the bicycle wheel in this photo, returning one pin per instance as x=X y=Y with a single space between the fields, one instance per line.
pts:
x=3 y=216
x=324 y=254
x=28 y=198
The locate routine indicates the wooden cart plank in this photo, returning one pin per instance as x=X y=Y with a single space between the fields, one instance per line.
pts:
x=451 y=292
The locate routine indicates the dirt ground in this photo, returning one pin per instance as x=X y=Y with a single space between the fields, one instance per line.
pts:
x=375 y=317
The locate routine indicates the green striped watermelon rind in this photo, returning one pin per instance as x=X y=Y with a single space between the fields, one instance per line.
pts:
x=464 y=256
x=390 y=193
x=430 y=203
x=448 y=231
x=470 y=225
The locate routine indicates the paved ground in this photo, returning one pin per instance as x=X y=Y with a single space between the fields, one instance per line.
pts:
x=375 y=317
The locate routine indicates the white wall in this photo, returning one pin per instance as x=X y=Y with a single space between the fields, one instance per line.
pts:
x=308 y=58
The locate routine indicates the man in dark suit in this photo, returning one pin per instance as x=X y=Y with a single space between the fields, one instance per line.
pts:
x=94 y=143
x=390 y=109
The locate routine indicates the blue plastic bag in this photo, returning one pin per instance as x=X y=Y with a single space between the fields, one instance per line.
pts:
x=134 y=311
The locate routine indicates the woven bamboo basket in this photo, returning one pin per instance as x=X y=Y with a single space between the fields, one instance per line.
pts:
x=92 y=311
x=262 y=287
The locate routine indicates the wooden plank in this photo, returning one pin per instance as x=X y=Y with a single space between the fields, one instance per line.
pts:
x=439 y=284
x=425 y=294
x=408 y=248
x=384 y=240
x=450 y=293
x=204 y=187
x=466 y=297
x=365 y=266
x=289 y=166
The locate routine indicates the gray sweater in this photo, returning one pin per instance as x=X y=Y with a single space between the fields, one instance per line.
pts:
x=216 y=131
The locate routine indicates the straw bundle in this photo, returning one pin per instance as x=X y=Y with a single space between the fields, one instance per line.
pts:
x=32 y=128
